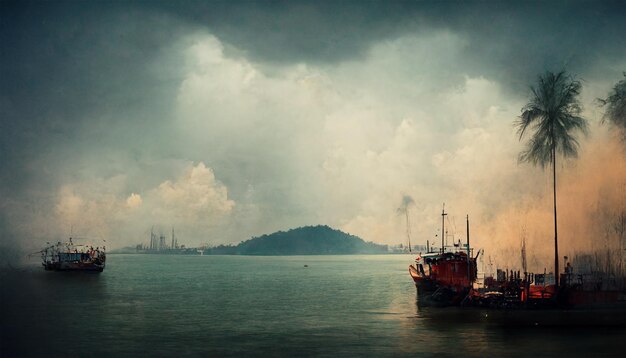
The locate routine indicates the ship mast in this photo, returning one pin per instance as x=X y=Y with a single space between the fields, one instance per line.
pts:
x=469 y=277
x=443 y=219
x=523 y=251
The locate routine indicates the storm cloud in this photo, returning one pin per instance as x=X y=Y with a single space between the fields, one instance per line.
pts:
x=228 y=120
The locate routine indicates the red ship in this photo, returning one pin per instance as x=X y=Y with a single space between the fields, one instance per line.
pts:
x=444 y=278
x=447 y=277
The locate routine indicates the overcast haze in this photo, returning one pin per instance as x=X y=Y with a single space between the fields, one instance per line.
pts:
x=229 y=120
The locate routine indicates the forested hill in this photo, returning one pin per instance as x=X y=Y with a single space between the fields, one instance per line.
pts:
x=308 y=240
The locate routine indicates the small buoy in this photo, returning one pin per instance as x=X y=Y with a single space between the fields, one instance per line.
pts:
x=306 y=265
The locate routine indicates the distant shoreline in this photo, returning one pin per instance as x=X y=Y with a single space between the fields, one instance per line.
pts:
x=236 y=254
x=307 y=240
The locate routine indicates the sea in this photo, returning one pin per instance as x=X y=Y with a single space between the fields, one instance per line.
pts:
x=293 y=306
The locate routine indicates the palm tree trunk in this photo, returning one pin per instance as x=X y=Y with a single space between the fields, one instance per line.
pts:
x=556 y=243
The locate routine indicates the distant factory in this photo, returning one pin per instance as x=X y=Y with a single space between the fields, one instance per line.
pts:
x=159 y=244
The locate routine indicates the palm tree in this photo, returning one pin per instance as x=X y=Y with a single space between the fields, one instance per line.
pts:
x=553 y=114
x=616 y=106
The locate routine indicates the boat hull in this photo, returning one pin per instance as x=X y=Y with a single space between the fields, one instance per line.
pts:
x=574 y=298
x=74 y=266
x=432 y=293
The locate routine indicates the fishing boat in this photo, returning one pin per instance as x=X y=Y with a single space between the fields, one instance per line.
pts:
x=531 y=291
x=69 y=256
x=514 y=289
x=578 y=289
x=444 y=277
x=448 y=277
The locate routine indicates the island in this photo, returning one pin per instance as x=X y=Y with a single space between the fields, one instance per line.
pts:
x=308 y=240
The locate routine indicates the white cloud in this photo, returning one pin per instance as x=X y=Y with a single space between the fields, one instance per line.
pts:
x=134 y=201
x=195 y=202
x=89 y=209
x=307 y=144
x=195 y=198
x=346 y=142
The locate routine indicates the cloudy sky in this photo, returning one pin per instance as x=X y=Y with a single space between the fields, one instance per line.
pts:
x=232 y=119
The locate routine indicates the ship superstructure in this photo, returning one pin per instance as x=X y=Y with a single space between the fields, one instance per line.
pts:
x=69 y=256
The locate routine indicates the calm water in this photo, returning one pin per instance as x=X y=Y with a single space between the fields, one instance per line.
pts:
x=145 y=305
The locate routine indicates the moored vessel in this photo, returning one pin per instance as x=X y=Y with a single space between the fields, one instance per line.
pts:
x=72 y=257
x=447 y=276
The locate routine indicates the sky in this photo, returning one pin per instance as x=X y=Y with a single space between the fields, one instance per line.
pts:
x=232 y=119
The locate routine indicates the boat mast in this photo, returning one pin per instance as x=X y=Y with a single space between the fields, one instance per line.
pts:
x=524 y=264
x=443 y=219
x=469 y=277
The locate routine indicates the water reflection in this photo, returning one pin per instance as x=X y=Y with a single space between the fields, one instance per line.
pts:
x=213 y=306
x=513 y=333
x=39 y=307
x=446 y=330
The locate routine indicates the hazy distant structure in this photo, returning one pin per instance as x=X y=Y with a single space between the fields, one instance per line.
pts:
x=407 y=201
x=158 y=244
x=152 y=239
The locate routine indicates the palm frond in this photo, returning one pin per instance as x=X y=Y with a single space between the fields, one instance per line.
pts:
x=553 y=114
x=530 y=113
x=616 y=106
